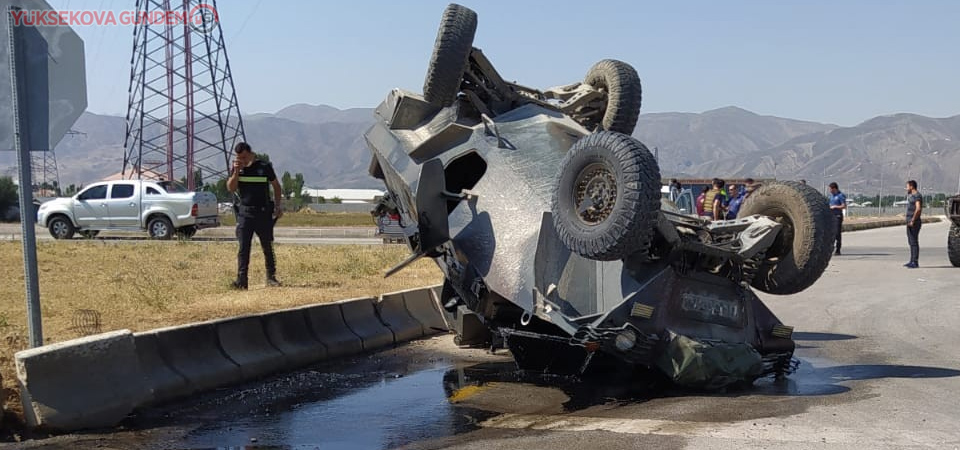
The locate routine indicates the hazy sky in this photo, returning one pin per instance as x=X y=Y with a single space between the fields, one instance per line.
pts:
x=830 y=61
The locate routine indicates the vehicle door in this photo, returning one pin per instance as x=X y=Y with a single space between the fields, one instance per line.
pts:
x=124 y=204
x=90 y=207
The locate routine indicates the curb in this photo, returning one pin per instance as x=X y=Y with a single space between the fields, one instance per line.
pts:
x=358 y=314
x=393 y=313
x=97 y=381
x=327 y=325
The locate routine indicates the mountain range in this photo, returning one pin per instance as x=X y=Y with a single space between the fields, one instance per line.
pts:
x=326 y=144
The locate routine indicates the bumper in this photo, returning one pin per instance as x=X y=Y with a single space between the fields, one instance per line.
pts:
x=207 y=222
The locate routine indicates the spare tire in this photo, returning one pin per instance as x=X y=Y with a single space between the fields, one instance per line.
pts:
x=621 y=83
x=450 y=54
x=804 y=245
x=607 y=197
x=953 y=245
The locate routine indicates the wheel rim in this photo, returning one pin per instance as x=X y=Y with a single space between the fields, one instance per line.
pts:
x=595 y=194
x=159 y=229
x=59 y=229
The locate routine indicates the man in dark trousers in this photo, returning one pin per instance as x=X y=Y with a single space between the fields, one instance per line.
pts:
x=252 y=178
x=914 y=207
x=838 y=203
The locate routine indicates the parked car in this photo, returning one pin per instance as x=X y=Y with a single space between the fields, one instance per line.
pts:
x=162 y=208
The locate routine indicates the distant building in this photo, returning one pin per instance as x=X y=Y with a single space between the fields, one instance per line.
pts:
x=347 y=195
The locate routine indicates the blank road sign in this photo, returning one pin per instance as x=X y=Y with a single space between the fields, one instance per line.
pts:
x=56 y=79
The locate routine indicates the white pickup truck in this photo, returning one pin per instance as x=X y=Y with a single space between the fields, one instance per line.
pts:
x=162 y=208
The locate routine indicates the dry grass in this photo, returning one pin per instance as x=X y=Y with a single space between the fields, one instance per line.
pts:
x=146 y=285
x=308 y=218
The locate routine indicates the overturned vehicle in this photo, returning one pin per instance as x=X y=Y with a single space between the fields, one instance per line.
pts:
x=546 y=218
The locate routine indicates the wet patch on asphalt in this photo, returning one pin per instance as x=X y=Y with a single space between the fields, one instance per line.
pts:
x=421 y=394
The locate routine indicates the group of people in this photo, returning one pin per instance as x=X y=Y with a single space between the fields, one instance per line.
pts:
x=838 y=203
x=721 y=201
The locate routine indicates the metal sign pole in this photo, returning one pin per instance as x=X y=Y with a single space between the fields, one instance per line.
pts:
x=27 y=214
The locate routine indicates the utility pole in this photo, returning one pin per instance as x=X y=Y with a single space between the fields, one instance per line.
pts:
x=880 y=194
x=182 y=115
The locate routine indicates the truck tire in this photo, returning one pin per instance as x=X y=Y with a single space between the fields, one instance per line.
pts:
x=953 y=245
x=607 y=197
x=450 y=54
x=61 y=228
x=160 y=227
x=803 y=248
x=624 y=94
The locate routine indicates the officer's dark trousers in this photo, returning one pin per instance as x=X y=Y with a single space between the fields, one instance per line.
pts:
x=259 y=221
x=839 y=218
x=913 y=238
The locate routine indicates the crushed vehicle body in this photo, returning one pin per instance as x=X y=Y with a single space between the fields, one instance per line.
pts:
x=547 y=221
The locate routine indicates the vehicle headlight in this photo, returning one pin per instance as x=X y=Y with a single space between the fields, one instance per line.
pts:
x=625 y=340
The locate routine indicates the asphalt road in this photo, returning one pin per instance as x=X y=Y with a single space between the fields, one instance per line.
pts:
x=880 y=369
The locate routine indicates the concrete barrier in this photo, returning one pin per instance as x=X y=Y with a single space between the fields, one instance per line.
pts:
x=326 y=322
x=361 y=316
x=91 y=382
x=97 y=381
x=881 y=223
x=245 y=342
x=425 y=308
x=394 y=315
x=449 y=318
x=162 y=382
x=290 y=333
x=194 y=352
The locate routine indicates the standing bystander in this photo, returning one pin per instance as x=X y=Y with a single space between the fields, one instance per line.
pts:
x=838 y=203
x=252 y=178
x=914 y=208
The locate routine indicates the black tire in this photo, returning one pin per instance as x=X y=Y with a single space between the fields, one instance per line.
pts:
x=61 y=228
x=450 y=54
x=803 y=248
x=160 y=227
x=89 y=234
x=186 y=232
x=623 y=174
x=624 y=94
x=953 y=245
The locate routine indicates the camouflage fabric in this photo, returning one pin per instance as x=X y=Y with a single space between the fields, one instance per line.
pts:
x=692 y=363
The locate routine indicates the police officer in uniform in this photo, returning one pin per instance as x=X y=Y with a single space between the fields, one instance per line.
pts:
x=252 y=178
